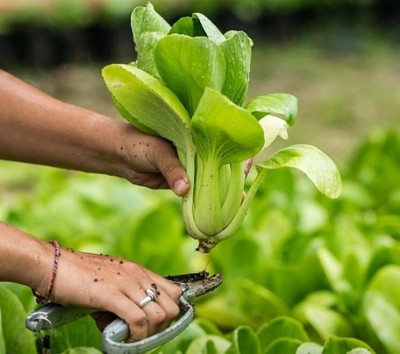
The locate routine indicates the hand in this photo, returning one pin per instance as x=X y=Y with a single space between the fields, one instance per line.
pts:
x=37 y=128
x=115 y=285
x=152 y=162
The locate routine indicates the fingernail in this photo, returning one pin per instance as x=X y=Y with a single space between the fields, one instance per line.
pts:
x=180 y=187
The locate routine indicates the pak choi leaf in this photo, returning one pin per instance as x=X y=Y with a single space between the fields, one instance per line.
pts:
x=146 y=19
x=145 y=101
x=274 y=103
x=210 y=30
x=237 y=54
x=224 y=131
x=189 y=64
x=145 y=49
x=318 y=167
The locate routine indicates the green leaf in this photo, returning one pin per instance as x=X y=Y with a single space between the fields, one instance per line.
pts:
x=201 y=345
x=387 y=282
x=317 y=166
x=224 y=130
x=16 y=338
x=309 y=348
x=188 y=65
x=332 y=268
x=181 y=343
x=336 y=345
x=381 y=307
x=82 y=350
x=318 y=311
x=209 y=28
x=145 y=101
x=275 y=103
x=283 y=346
x=246 y=303
x=359 y=351
x=183 y=26
x=2 y=340
x=145 y=52
x=146 y=19
x=81 y=335
x=281 y=327
x=237 y=53
x=384 y=255
x=245 y=341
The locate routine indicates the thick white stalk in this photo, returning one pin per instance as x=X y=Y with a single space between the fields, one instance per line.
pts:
x=241 y=213
x=207 y=210
x=187 y=200
x=234 y=194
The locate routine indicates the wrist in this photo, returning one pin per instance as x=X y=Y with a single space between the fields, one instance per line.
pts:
x=43 y=295
x=24 y=259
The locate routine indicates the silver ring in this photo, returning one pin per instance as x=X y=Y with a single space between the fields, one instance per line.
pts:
x=151 y=296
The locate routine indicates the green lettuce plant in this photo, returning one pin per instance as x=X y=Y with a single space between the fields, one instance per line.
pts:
x=188 y=85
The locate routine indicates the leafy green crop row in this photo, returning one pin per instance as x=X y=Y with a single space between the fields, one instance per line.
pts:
x=331 y=266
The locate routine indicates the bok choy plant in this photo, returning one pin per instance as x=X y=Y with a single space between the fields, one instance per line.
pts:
x=188 y=85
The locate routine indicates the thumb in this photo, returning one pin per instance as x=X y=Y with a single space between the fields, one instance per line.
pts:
x=173 y=172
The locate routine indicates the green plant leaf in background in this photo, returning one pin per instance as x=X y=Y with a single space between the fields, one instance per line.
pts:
x=318 y=311
x=283 y=346
x=337 y=345
x=309 y=348
x=82 y=350
x=77 y=334
x=244 y=341
x=244 y=303
x=381 y=306
x=281 y=327
x=208 y=344
x=2 y=339
x=15 y=337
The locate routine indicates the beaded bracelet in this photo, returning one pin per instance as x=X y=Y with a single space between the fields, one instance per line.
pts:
x=57 y=254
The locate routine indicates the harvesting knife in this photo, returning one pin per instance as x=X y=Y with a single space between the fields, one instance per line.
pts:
x=52 y=315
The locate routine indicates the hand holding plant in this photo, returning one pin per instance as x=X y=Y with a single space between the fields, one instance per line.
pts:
x=188 y=85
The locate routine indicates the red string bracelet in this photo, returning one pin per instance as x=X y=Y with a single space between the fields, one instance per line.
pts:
x=57 y=254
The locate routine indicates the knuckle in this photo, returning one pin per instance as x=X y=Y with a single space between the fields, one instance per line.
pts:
x=160 y=316
x=138 y=327
x=172 y=312
x=140 y=320
x=175 y=293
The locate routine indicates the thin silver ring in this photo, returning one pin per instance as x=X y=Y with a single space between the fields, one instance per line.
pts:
x=151 y=296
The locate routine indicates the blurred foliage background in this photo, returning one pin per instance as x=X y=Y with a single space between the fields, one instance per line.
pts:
x=333 y=265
